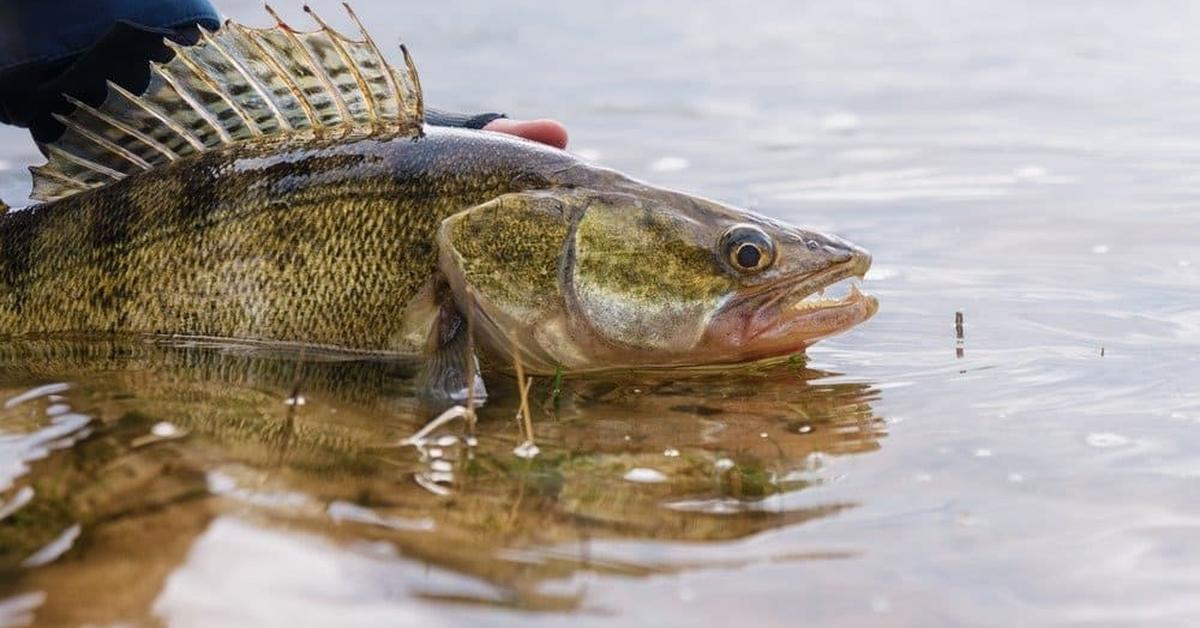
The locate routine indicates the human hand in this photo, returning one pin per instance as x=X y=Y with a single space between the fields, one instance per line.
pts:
x=549 y=132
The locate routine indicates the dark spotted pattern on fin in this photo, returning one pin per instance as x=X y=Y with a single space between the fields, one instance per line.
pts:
x=236 y=84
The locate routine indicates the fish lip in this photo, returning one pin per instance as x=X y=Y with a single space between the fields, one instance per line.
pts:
x=792 y=290
x=824 y=319
x=769 y=322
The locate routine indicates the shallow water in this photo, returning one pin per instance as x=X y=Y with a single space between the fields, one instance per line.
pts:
x=1031 y=165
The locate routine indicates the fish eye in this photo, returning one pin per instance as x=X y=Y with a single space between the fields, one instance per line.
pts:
x=748 y=249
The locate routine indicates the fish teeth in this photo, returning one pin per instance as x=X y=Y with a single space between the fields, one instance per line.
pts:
x=833 y=294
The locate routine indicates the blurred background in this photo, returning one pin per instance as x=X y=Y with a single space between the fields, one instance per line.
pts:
x=1031 y=165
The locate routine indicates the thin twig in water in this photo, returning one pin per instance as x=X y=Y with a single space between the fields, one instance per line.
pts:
x=295 y=400
x=556 y=389
x=453 y=412
x=471 y=374
x=523 y=386
x=528 y=422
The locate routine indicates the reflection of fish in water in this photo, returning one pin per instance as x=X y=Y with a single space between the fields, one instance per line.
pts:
x=277 y=185
x=142 y=504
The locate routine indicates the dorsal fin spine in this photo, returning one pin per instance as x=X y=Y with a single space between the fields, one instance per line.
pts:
x=251 y=80
x=387 y=74
x=412 y=71
x=102 y=141
x=368 y=98
x=317 y=70
x=125 y=128
x=85 y=163
x=233 y=86
x=188 y=98
x=326 y=82
x=185 y=56
x=283 y=75
x=43 y=171
x=158 y=114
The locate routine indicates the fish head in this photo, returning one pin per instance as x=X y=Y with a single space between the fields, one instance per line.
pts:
x=638 y=277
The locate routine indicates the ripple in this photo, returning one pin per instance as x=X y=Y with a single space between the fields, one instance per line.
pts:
x=1106 y=440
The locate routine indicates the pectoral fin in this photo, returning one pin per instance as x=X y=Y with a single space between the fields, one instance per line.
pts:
x=450 y=364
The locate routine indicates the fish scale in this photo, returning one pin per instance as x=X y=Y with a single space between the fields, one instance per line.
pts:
x=323 y=244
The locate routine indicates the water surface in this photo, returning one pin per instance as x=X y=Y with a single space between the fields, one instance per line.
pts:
x=1030 y=165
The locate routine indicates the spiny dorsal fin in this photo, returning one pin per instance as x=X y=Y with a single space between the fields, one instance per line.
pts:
x=235 y=84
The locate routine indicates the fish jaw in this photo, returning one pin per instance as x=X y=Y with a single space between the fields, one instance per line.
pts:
x=789 y=317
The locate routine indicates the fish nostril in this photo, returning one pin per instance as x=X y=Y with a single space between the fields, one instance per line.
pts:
x=839 y=254
x=836 y=248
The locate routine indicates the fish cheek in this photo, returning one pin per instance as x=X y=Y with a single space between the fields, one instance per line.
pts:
x=646 y=281
x=507 y=252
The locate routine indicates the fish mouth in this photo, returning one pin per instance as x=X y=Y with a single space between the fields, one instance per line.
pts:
x=787 y=316
x=836 y=305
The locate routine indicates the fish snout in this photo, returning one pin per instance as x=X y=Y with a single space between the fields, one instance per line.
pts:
x=829 y=250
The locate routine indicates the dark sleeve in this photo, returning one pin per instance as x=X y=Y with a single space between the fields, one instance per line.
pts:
x=52 y=47
x=439 y=117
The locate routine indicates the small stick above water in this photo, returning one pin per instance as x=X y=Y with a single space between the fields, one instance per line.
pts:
x=958 y=335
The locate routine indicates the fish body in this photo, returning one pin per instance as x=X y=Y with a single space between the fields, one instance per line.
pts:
x=326 y=243
x=236 y=204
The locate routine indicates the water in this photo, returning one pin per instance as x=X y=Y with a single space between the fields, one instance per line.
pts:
x=1030 y=165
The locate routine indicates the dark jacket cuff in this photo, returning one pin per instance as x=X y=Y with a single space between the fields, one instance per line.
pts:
x=439 y=117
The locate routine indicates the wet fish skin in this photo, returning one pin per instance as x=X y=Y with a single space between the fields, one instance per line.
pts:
x=278 y=184
x=319 y=242
x=371 y=243
x=620 y=274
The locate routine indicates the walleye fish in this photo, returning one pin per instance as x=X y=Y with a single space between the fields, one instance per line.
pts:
x=277 y=185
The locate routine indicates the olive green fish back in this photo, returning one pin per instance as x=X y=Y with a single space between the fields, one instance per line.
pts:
x=237 y=84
